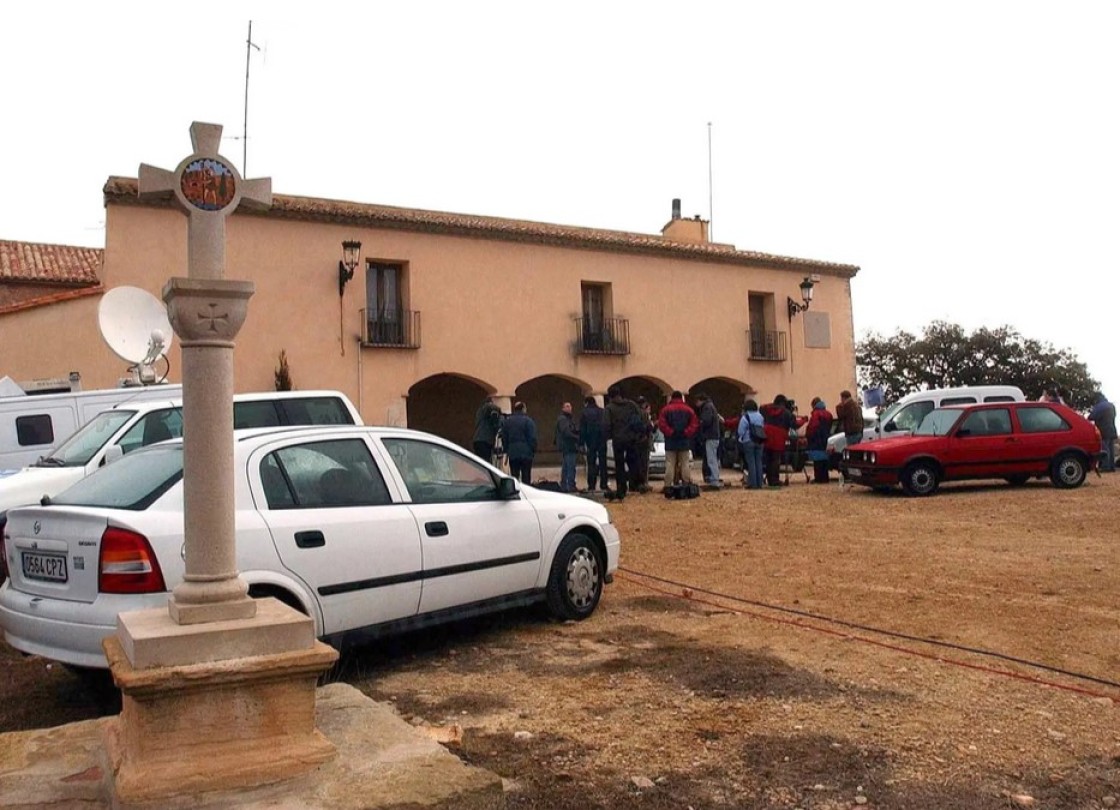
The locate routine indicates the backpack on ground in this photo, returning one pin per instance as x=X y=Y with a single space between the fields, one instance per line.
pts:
x=680 y=492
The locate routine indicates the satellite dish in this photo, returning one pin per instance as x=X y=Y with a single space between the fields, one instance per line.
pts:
x=135 y=325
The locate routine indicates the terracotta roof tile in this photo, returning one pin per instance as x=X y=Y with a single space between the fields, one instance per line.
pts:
x=123 y=190
x=17 y=296
x=35 y=263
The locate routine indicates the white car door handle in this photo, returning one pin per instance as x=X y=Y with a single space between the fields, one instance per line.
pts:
x=312 y=539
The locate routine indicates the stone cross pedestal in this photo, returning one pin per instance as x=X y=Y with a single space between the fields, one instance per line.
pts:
x=216 y=694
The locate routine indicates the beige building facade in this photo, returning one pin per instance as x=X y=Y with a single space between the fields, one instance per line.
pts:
x=444 y=309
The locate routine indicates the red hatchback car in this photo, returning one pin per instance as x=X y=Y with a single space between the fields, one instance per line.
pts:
x=1015 y=441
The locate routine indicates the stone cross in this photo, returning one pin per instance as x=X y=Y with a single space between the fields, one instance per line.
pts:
x=206 y=311
x=209 y=189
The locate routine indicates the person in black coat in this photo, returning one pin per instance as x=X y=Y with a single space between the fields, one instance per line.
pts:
x=567 y=442
x=624 y=428
x=593 y=440
x=487 y=422
x=519 y=437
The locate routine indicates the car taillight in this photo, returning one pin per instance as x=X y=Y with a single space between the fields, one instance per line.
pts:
x=3 y=548
x=128 y=564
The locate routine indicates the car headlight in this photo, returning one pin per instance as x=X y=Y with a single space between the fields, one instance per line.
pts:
x=846 y=454
x=870 y=458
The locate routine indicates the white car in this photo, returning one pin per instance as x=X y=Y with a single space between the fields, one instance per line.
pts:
x=132 y=425
x=367 y=530
x=656 y=456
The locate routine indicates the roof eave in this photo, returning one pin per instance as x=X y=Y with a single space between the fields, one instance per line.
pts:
x=123 y=191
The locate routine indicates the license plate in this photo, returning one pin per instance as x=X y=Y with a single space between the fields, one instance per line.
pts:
x=854 y=473
x=49 y=567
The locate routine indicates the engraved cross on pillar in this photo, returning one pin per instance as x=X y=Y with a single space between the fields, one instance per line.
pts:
x=206 y=311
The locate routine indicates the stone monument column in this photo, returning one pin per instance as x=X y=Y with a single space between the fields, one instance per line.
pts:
x=206 y=315
x=218 y=690
x=206 y=312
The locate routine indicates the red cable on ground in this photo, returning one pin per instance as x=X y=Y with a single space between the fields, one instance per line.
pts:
x=690 y=596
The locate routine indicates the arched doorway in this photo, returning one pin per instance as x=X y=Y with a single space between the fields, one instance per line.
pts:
x=654 y=390
x=543 y=396
x=726 y=393
x=445 y=404
x=728 y=396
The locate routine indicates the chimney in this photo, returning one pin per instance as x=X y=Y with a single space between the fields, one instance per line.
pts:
x=694 y=231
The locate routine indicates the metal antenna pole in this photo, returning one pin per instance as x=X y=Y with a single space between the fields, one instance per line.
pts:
x=711 y=229
x=245 y=121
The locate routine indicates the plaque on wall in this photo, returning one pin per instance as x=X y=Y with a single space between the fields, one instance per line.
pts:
x=818 y=330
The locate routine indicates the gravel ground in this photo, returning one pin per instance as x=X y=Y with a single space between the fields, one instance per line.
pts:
x=797 y=648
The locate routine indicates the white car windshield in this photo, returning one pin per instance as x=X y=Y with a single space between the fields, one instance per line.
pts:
x=938 y=422
x=134 y=482
x=889 y=413
x=84 y=444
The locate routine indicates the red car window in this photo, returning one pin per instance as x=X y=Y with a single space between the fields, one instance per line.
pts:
x=1041 y=420
x=988 y=422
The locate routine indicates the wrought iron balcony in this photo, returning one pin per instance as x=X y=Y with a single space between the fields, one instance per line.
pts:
x=602 y=336
x=766 y=345
x=392 y=328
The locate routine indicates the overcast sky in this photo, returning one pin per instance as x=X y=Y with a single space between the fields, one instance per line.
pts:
x=963 y=154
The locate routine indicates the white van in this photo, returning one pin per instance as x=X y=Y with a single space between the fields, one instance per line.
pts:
x=125 y=427
x=31 y=425
x=901 y=418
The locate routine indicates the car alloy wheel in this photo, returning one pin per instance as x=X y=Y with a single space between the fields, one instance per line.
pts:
x=920 y=478
x=1068 y=471
x=576 y=580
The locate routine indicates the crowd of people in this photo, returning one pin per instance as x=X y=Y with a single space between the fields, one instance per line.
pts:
x=626 y=427
x=764 y=434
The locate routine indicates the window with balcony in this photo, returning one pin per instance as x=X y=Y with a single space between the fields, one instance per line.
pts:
x=386 y=321
x=764 y=342
x=597 y=331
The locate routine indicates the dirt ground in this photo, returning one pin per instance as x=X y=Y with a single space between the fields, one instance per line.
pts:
x=741 y=659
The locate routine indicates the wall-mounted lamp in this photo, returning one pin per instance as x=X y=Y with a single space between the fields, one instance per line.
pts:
x=806 y=295
x=350 y=251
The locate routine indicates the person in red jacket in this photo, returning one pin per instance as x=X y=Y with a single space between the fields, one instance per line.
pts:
x=679 y=423
x=816 y=434
x=778 y=420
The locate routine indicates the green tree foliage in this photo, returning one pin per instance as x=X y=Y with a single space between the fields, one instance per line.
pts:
x=944 y=356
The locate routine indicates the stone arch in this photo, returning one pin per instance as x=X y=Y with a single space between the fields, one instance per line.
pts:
x=445 y=404
x=543 y=397
x=654 y=389
x=727 y=393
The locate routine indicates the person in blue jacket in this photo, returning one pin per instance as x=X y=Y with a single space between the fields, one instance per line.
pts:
x=752 y=438
x=1103 y=415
